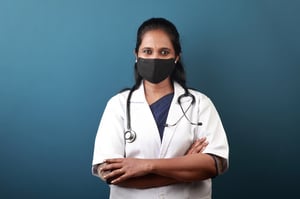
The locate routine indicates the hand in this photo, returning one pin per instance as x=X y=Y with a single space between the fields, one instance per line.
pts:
x=198 y=146
x=100 y=172
x=120 y=169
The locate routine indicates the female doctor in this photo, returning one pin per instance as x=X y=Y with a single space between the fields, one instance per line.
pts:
x=159 y=139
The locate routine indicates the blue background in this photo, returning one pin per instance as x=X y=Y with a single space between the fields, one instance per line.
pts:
x=61 y=60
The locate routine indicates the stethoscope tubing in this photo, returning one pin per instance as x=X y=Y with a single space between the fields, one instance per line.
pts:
x=130 y=135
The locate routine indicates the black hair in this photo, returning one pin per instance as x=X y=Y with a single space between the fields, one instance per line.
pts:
x=178 y=74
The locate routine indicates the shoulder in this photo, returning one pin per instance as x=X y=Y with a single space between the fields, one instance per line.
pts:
x=202 y=100
x=119 y=98
x=198 y=94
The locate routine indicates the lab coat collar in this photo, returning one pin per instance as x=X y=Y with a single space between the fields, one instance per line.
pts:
x=139 y=94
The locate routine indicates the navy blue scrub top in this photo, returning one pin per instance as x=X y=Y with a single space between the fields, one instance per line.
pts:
x=160 y=110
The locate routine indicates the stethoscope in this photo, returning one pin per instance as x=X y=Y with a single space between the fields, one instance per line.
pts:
x=130 y=135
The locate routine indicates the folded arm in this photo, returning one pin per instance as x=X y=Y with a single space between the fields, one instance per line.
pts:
x=141 y=182
x=145 y=173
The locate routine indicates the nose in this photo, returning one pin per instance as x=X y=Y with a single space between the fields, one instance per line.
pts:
x=156 y=55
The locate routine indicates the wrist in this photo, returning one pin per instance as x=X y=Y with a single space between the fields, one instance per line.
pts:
x=150 y=166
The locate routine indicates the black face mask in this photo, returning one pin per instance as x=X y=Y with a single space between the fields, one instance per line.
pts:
x=155 y=70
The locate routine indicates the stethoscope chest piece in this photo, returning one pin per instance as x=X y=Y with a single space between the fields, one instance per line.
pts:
x=129 y=136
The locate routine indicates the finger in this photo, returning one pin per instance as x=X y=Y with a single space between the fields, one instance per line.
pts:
x=192 y=147
x=199 y=147
x=202 y=147
x=203 y=144
x=120 y=178
x=196 y=145
x=198 y=142
x=201 y=140
x=114 y=174
x=111 y=166
x=100 y=172
x=114 y=160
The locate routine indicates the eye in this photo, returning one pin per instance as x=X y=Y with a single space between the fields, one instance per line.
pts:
x=147 y=51
x=164 y=52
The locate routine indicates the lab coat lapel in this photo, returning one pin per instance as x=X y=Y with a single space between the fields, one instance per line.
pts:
x=175 y=113
x=144 y=115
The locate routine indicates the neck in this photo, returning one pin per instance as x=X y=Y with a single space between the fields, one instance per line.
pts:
x=154 y=92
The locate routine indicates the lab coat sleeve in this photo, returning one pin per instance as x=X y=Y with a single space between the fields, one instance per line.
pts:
x=213 y=130
x=109 y=141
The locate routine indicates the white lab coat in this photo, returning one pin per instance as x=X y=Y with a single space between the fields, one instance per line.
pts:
x=110 y=143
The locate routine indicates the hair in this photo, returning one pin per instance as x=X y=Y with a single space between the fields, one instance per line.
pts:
x=169 y=28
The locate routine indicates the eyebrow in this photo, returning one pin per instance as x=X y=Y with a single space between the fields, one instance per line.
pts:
x=163 y=48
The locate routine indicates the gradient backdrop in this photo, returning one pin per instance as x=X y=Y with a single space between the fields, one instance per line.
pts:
x=61 y=60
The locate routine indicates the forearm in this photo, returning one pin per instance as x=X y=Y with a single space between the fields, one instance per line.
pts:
x=142 y=182
x=145 y=173
x=147 y=181
x=175 y=170
x=188 y=168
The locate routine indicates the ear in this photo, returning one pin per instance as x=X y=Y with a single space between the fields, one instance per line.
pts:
x=136 y=56
x=177 y=59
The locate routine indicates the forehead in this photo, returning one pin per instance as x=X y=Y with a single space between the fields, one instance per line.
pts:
x=156 y=38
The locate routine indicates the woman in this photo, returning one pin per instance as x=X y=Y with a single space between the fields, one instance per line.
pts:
x=160 y=139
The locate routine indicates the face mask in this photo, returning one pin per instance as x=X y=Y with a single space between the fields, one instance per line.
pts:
x=155 y=70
